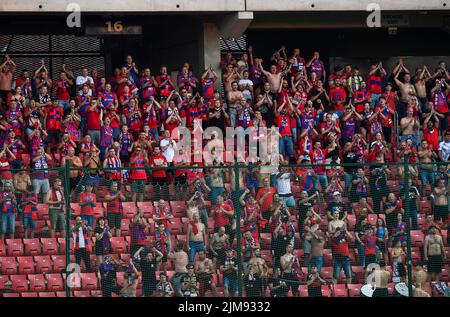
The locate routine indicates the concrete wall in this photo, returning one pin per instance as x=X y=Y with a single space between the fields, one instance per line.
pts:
x=143 y=6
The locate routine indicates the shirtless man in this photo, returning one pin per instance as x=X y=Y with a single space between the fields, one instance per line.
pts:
x=335 y=223
x=409 y=125
x=440 y=202
x=380 y=278
x=21 y=182
x=256 y=270
x=204 y=268
x=422 y=76
x=274 y=78
x=426 y=154
x=7 y=69
x=218 y=245
x=317 y=246
x=231 y=75
x=92 y=163
x=74 y=162
x=288 y=260
x=233 y=98
x=407 y=90
x=420 y=276
x=434 y=254
x=180 y=258
x=197 y=237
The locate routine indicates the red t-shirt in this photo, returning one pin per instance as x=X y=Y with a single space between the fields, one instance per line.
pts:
x=62 y=93
x=269 y=198
x=84 y=198
x=284 y=124
x=93 y=120
x=432 y=137
x=370 y=245
x=158 y=161
x=318 y=157
x=340 y=246
x=5 y=169
x=220 y=218
x=138 y=174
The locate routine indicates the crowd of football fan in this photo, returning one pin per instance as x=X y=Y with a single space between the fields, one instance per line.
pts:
x=126 y=120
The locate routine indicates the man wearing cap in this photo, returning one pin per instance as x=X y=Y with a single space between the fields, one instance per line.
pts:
x=337 y=205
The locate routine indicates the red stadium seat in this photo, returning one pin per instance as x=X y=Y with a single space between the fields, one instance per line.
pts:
x=42 y=211
x=98 y=210
x=62 y=245
x=358 y=272
x=354 y=290
x=11 y=295
x=89 y=281
x=178 y=208
x=26 y=264
x=339 y=290
x=326 y=292
x=81 y=294
x=20 y=283
x=75 y=209
x=32 y=247
x=415 y=256
x=327 y=257
x=118 y=245
x=175 y=226
x=147 y=207
x=30 y=294
x=351 y=219
x=129 y=209
x=15 y=247
x=9 y=265
x=125 y=227
x=182 y=238
x=4 y=279
x=417 y=238
x=303 y=290
x=327 y=273
x=59 y=263
x=49 y=246
x=47 y=294
x=96 y=293
x=444 y=237
x=391 y=287
x=55 y=282
x=61 y=294
x=37 y=282
x=2 y=248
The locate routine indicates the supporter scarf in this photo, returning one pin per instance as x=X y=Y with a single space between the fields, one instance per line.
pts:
x=161 y=240
x=194 y=227
x=85 y=236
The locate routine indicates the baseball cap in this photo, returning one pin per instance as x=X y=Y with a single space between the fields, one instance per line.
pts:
x=336 y=193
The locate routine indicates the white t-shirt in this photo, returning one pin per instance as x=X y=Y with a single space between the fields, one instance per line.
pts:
x=444 y=147
x=246 y=92
x=284 y=184
x=169 y=153
x=84 y=80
